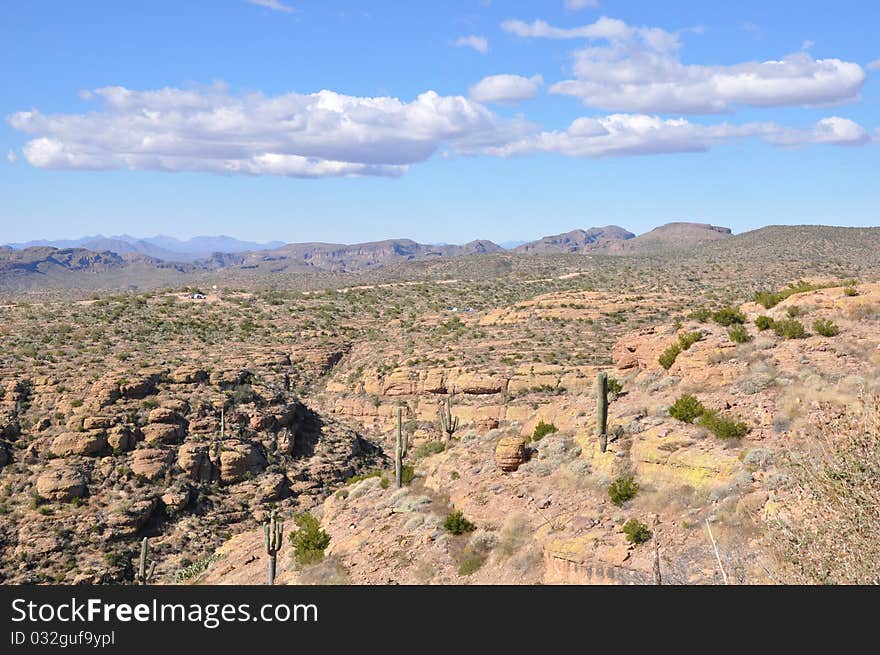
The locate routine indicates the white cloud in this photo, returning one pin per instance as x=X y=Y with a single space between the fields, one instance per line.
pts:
x=639 y=134
x=575 y=5
x=638 y=69
x=316 y=135
x=478 y=43
x=11 y=157
x=874 y=65
x=506 y=88
x=272 y=4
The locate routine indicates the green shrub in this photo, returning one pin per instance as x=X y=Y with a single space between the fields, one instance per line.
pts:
x=623 y=489
x=456 y=523
x=470 y=562
x=794 y=311
x=667 y=357
x=700 y=315
x=543 y=429
x=310 y=541
x=770 y=299
x=789 y=329
x=407 y=473
x=764 y=323
x=739 y=334
x=428 y=449
x=687 y=408
x=688 y=339
x=850 y=291
x=614 y=386
x=636 y=532
x=722 y=426
x=826 y=327
x=729 y=316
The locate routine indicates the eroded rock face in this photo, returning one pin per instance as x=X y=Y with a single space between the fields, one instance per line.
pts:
x=62 y=483
x=195 y=460
x=162 y=433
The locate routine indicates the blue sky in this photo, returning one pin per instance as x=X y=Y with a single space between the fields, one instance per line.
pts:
x=188 y=118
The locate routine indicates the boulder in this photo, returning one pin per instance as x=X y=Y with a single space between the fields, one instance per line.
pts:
x=79 y=443
x=510 y=453
x=162 y=433
x=121 y=438
x=149 y=462
x=62 y=483
x=239 y=460
x=195 y=460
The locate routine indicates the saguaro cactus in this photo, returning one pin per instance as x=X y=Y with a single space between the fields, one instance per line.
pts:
x=448 y=422
x=273 y=537
x=400 y=449
x=144 y=575
x=602 y=409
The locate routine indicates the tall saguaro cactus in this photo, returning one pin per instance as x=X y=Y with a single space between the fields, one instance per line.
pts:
x=400 y=449
x=144 y=575
x=602 y=409
x=273 y=537
x=448 y=422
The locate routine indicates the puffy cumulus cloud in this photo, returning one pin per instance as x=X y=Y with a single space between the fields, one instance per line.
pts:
x=272 y=4
x=473 y=41
x=874 y=65
x=639 y=134
x=506 y=88
x=296 y=135
x=638 y=69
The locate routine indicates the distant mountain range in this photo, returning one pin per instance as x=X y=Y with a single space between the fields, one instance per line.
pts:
x=158 y=247
x=42 y=263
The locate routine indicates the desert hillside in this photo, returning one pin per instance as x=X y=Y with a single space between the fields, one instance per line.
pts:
x=188 y=417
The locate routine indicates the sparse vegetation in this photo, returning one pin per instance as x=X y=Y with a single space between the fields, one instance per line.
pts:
x=687 y=408
x=542 y=429
x=826 y=327
x=623 y=489
x=309 y=541
x=764 y=323
x=790 y=329
x=723 y=427
x=636 y=532
x=729 y=316
x=739 y=334
x=456 y=523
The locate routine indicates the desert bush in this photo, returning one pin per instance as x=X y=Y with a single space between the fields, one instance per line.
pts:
x=687 y=408
x=686 y=340
x=739 y=334
x=700 y=315
x=542 y=430
x=614 y=386
x=833 y=537
x=826 y=327
x=623 y=489
x=770 y=299
x=789 y=329
x=723 y=426
x=636 y=532
x=850 y=291
x=764 y=323
x=428 y=449
x=309 y=541
x=729 y=316
x=667 y=357
x=456 y=523
x=794 y=311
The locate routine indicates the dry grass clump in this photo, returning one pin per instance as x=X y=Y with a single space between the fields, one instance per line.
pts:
x=832 y=533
